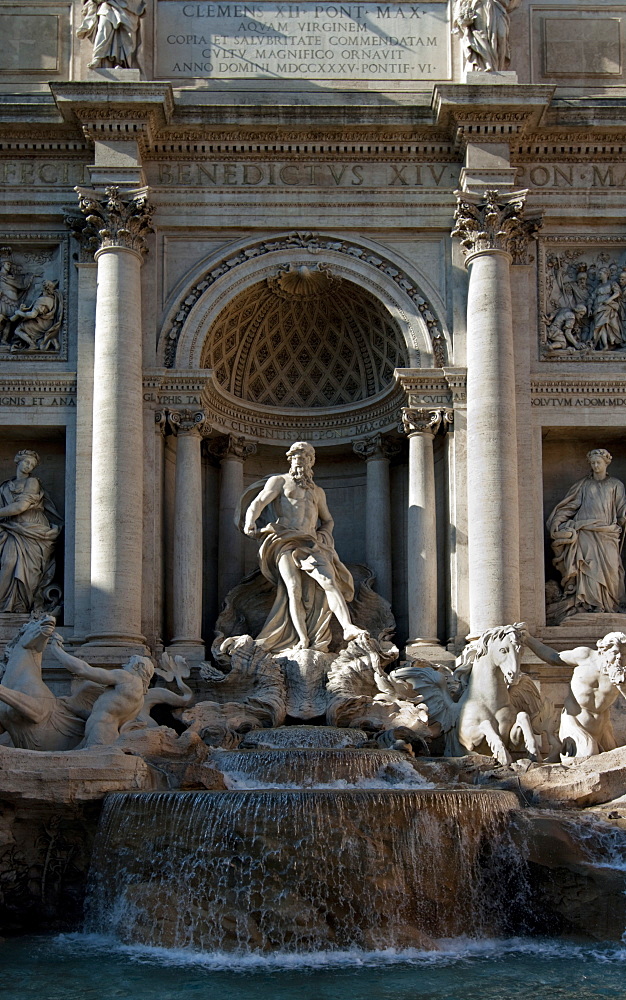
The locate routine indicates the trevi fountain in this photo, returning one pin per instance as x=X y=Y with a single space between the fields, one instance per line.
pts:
x=312 y=502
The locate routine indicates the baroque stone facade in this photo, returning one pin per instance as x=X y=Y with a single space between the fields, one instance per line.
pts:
x=416 y=263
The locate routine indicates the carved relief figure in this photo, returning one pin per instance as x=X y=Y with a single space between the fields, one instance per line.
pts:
x=596 y=294
x=112 y=26
x=484 y=29
x=297 y=554
x=586 y=530
x=27 y=538
x=605 y=306
x=598 y=679
x=562 y=329
x=38 y=326
x=13 y=287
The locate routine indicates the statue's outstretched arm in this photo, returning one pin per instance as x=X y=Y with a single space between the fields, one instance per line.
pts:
x=82 y=669
x=545 y=653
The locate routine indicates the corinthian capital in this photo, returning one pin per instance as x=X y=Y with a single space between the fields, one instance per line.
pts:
x=376 y=446
x=117 y=220
x=231 y=446
x=495 y=223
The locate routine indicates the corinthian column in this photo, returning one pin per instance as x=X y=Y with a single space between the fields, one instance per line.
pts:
x=421 y=425
x=116 y=228
x=232 y=452
x=376 y=451
x=493 y=234
x=187 y=554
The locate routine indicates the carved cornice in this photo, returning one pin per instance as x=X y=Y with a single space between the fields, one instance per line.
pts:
x=564 y=392
x=231 y=446
x=340 y=424
x=495 y=223
x=38 y=384
x=423 y=421
x=121 y=221
x=426 y=387
x=182 y=422
x=376 y=446
x=314 y=243
x=484 y=113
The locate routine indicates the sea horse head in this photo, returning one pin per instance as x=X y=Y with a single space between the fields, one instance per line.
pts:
x=503 y=645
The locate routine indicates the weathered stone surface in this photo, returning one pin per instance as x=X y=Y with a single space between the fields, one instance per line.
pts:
x=73 y=776
x=45 y=851
x=584 y=782
x=576 y=872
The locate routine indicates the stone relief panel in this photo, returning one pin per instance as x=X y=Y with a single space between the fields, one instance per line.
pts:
x=36 y=41
x=582 y=299
x=305 y=337
x=33 y=282
x=573 y=45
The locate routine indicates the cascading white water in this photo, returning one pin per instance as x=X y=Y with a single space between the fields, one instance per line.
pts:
x=294 y=870
x=312 y=767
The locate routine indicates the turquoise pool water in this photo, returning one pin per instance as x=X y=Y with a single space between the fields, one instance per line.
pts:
x=80 y=967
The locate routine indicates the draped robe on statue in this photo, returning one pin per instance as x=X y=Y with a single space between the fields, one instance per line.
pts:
x=590 y=562
x=26 y=545
x=308 y=552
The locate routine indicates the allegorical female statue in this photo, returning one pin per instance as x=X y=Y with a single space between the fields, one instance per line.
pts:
x=484 y=29
x=586 y=531
x=26 y=538
x=112 y=26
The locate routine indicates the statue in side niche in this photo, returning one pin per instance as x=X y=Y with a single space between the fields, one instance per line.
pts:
x=586 y=529
x=297 y=554
x=27 y=539
x=598 y=679
x=122 y=699
x=112 y=26
x=484 y=29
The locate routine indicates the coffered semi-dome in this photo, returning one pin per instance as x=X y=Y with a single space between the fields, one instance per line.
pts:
x=304 y=338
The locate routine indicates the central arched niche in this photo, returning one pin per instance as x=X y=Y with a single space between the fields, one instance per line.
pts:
x=304 y=338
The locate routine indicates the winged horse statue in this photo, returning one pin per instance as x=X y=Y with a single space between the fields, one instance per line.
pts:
x=484 y=718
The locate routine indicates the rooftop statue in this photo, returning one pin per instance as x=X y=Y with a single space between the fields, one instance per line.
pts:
x=598 y=679
x=484 y=29
x=27 y=538
x=586 y=529
x=113 y=27
x=297 y=554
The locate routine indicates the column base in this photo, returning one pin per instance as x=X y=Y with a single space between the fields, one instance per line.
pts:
x=193 y=650
x=112 y=649
x=428 y=649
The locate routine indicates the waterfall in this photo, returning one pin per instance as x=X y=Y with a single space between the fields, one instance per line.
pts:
x=299 y=870
x=314 y=767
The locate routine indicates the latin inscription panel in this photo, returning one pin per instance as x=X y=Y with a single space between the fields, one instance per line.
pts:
x=303 y=41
